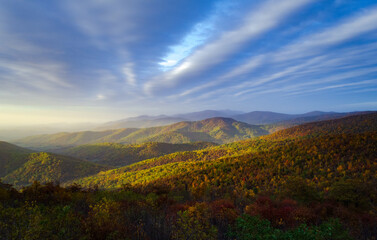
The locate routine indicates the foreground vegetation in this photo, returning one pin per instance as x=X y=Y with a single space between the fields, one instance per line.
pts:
x=52 y=212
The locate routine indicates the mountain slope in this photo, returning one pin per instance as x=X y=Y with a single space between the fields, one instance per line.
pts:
x=115 y=154
x=218 y=130
x=47 y=167
x=335 y=150
x=11 y=157
x=363 y=122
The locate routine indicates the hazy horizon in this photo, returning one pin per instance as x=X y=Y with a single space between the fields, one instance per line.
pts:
x=77 y=62
x=90 y=124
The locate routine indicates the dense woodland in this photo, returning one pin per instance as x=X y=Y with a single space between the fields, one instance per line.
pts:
x=312 y=181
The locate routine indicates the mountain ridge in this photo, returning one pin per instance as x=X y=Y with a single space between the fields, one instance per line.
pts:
x=217 y=130
x=253 y=118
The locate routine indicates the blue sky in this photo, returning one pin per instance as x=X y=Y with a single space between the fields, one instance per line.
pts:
x=97 y=60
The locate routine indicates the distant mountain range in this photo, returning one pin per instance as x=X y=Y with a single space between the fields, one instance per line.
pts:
x=216 y=130
x=254 y=118
x=144 y=121
x=275 y=121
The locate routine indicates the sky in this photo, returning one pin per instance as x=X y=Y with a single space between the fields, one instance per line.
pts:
x=101 y=60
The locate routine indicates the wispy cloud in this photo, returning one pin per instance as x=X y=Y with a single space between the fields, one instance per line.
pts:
x=200 y=32
x=314 y=43
x=267 y=16
x=362 y=23
x=129 y=73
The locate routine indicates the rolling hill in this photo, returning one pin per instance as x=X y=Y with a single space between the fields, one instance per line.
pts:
x=115 y=154
x=217 y=130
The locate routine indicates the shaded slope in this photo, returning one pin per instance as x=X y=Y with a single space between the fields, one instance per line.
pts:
x=11 y=157
x=47 y=167
x=115 y=154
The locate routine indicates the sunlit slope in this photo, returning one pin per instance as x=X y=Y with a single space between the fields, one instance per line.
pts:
x=11 y=157
x=47 y=167
x=261 y=164
x=218 y=130
x=115 y=154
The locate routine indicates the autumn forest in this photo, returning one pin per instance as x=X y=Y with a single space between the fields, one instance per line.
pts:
x=311 y=181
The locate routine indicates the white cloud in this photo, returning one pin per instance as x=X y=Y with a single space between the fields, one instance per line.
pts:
x=200 y=32
x=168 y=62
x=101 y=97
x=260 y=20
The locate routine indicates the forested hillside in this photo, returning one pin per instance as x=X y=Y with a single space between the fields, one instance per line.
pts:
x=115 y=154
x=317 y=159
x=364 y=122
x=46 y=167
